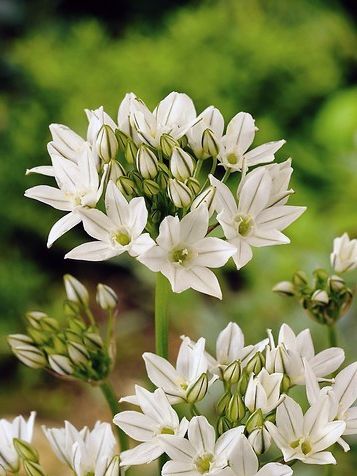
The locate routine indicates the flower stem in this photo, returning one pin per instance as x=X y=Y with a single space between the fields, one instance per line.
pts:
x=109 y=395
x=332 y=335
x=161 y=320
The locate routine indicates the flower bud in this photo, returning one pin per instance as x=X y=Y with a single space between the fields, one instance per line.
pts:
x=285 y=384
x=181 y=164
x=223 y=425
x=243 y=383
x=336 y=283
x=39 y=337
x=223 y=403
x=285 y=287
x=28 y=354
x=60 y=364
x=167 y=144
x=33 y=469
x=206 y=198
x=34 y=318
x=194 y=185
x=25 y=450
x=255 y=420
x=48 y=324
x=179 y=193
x=256 y=364
x=232 y=372
x=126 y=185
x=130 y=152
x=146 y=162
x=320 y=296
x=150 y=188
x=260 y=440
x=162 y=180
x=300 y=279
x=114 y=467
x=210 y=145
x=106 y=297
x=77 y=353
x=93 y=342
x=197 y=391
x=16 y=340
x=156 y=216
x=236 y=409
x=183 y=141
x=75 y=290
x=107 y=144
x=116 y=171
x=122 y=139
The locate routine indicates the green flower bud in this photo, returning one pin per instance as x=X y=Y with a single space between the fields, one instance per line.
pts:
x=179 y=193
x=194 y=185
x=285 y=287
x=256 y=364
x=116 y=171
x=197 y=391
x=25 y=450
x=60 y=364
x=236 y=409
x=58 y=344
x=256 y=420
x=107 y=144
x=39 y=337
x=223 y=425
x=223 y=403
x=285 y=384
x=77 y=326
x=126 y=185
x=48 y=324
x=33 y=469
x=232 y=372
x=183 y=141
x=78 y=353
x=106 y=297
x=210 y=145
x=162 y=180
x=27 y=353
x=320 y=296
x=122 y=139
x=206 y=198
x=75 y=290
x=243 y=382
x=156 y=216
x=336 y=283
x=150 y=188
x=321 y=277
x=181 y=164
x=146 y=162
x=260 y=440
x=300 y=279
x=114 y=467
x=167 y=144
x=345 y=305
x=130 y=152
x=163 y=168
x=93 y=342
x=34 y=318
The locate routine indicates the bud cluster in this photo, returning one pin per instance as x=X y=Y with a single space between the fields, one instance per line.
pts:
x=74 y=349
x=30 y=458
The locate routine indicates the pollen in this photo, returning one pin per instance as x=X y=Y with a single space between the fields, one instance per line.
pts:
x=244 y=224
x=121 y=238
x=166 y=430
x=181 y=256
x=203 y=463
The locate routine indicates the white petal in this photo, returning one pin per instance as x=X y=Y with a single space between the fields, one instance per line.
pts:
x=255 y=192
x=193 y=226
x=96 y=224
x=178 y=468
x=344 y=445
x=169 y=233
x=177 y=448
x=312 y=386
x=87 y=168
x=116 y=205
x=61 y=227
x=289 y=418
x=224 y=198
x=345 y=387
x=203 y=280
x=275 y=469
x=198 y=363
x=243 y=459
x=263 y=153
x=317 y=416
x=141 y=244
x=175 y=109
x=156 y=406
x=278 y=217
x=323 y=457
x=66 y=174
x=226 y=442
x=330 y=434
x=241 y=131
x=229 y=342
x=244 y=252
x=161 y=372
x=265 y=237
x=154 y=258
x=351 y=420
x=51 y=196
x=213 y=252
x=93 y=251
x=138 y=426
x=138 y=215
x=327 y=361
x=141 y=454
x=305 y=344
x=42 y=170
x=201 y=435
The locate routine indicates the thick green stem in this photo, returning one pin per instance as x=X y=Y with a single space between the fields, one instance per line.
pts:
x=109 y=394
x=161 y=320
x=332 y=336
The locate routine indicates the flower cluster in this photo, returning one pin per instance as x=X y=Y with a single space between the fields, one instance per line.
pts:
x=161 y=198
x=255 y=407
x=77 y=349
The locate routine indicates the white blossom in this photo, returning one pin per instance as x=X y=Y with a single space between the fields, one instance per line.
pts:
x=263 y=392
x=211 y=120
x=119 y=231
x=344 y=254
x=183 y=253
x=157 y=418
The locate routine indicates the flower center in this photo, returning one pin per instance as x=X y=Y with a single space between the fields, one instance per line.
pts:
x=121 y=238
x=166 y=430
x=181 y=255
x=244 y=224
x=203 y=463
x=305 y=446
x=232 y=158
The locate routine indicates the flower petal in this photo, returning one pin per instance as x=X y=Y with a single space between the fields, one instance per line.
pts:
x=141 y=454
x=278 y=217
x=275 y=469
x=201 y=435
x=138 y=426
x=203 y=280
x=243 y=254
x=243 y=459
x=327 y=361
x=116 y=205
x=177 y=448
x=61 y=227
x=229 y=342
x=52 y=196
x=263 y=153
x=213 y=252
x=255 y=192
x=193 y=226
x=161 y=373
x=241 y=131
x=179 y=468
x=93 y=251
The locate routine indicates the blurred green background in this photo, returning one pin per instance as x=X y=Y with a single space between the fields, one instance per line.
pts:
x=291 y=64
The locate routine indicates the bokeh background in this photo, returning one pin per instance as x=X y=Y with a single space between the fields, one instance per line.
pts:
x=292 y=64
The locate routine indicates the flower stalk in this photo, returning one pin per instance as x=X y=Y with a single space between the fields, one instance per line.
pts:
x=112 y=401
x=161 y=318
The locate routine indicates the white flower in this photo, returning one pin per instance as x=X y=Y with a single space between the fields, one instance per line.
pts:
x=183 y=253
x=237 y=140
x=78 y=187
x=84 y=451
x=174 y=115
x=127 y=108
x=258 y=218
x=288 y=356
x=210 y=119
x=305 y=437
x=263 y=392
x=177 y=382
x=118 y=231
x=344 y=254
x=181 y=164
x=244 y=462
x=17 y=428
x=97 y=118
x=157 y=418
x=200 y=453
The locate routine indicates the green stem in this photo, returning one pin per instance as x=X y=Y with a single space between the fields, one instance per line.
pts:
x=161 y=320
x=109 y=395
x=332 y=335
x=226 y=175
x=329 y=470
x=198 y=168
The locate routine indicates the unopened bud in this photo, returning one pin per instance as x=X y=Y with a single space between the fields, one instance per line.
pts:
x=232 y=372
x=75 y=290
x=260 y=440
x=34 y=318
x=38 y=336
x=243 y=383
x=255 y=420
x=167 y=144
x=256 y=364
x=210 y=145
x=122 y=139
x=183 y=141
x=206 y=198
x=28 y=354
x=92 y=341
x=320 y=297
x=60 y=364
x=33 y=469
x=150 y=188
x=126 y=185
x=114 y=467
x=116 y=171
x=285 y=287
x=25 y=450
x=130 y=152
x=181 y=164
x=146 y=162
x=107 y=144
x=197 y=391
x=223 y=403
x=236 y=409
x=194 y=185
x=336 y=283
x=162 y=180
x=106 y=297
x=78 y=353
x=179 y=193
x=156 y=216
x=48 y=324
x=347 y=299
x=285 y=384
x=223 y=425
x=300 y=279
